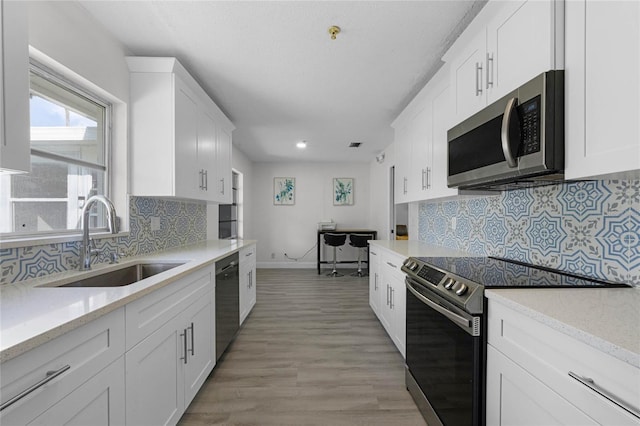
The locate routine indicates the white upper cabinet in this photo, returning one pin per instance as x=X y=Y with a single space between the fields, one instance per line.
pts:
x=181 y=141
x=14 y=88
x=602 y=84
x=421 y=143
x=506 y=45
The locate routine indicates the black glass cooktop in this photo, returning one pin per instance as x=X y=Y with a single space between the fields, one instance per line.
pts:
x=495 y=273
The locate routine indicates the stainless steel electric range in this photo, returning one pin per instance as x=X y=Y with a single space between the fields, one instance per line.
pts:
x=446 y=328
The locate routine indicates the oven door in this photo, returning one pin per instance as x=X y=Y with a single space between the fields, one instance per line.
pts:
x=444 y=359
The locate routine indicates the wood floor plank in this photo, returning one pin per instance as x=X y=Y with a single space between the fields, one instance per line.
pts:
x=312 y=352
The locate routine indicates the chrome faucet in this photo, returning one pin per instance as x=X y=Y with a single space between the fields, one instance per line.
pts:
x=86 y=250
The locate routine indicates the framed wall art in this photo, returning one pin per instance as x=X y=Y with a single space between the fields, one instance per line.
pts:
x=342 y=191
x=284 y=191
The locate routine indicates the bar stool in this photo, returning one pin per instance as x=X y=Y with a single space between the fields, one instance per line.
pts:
x=334 y=240
x=359 y=241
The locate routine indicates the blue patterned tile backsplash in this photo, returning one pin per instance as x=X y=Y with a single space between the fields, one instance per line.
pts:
x=591 y=228
x=181 y=223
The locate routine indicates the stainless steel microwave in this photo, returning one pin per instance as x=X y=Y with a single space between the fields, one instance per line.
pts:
x=516 y=142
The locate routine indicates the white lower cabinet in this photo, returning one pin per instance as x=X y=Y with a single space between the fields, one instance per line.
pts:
x=533 y=372
x=99 y=401
x=247 y=281
x=374 y=280
x=389 y=283
x=166 y=369
x=87 y=386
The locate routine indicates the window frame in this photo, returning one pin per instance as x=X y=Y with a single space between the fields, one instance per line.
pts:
x=78 y=88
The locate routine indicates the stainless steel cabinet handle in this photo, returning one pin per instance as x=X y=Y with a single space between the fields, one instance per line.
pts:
x=222 y=182
x=588 y=382
x=375 y=281
x=201 y=177
x=424 y=173
x=391 y=298
x=489 y=73
x=206 y=179
x=184 y=340
x=192 y=339
x=50 y=375
x=404 y=188
x=392 y=265
x=478 y=79
x=373 y=253
x=387 y=294
x=428 y=177
x=509 y=123
x=248 y=254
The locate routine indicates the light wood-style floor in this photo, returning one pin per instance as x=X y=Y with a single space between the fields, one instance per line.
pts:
x=312 y=352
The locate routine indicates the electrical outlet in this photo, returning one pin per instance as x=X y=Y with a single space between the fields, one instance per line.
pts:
x=155 y=223
x=453 y=223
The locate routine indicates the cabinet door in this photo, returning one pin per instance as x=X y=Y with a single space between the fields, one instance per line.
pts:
x=399 y=311
x=603 y=88
x=421 y=152
x=206 y=156
x=521 y=43
x=224 y=183
x=187 y=176
x=200 y=358
x=99 y=401
x=154 y=377
x=515 y=397
x=467 y=76
x=402 y=147
x=374 y=281
x=441 y=122
x=15 y=147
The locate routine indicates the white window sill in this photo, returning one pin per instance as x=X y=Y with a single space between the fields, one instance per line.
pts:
x=54 y=239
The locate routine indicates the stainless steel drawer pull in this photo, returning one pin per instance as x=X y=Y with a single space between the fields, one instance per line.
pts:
x=49 y=376
x=588 y=382
x=184 y=340
x=192 y=338
x=392 y=265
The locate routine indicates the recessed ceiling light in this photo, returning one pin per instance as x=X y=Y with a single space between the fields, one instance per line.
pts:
x=301 y=144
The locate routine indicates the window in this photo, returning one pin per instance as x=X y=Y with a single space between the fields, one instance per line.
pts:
x=69 y=146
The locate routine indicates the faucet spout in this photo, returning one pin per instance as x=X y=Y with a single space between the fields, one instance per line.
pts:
x=85 y=250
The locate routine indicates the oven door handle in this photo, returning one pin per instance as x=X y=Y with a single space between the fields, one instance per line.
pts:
x=461 y=321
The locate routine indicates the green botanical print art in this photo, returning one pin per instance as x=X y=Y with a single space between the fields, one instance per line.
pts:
x=342 y=191
x=284 y=191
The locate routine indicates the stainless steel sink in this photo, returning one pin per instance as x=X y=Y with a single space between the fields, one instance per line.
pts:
x=124 y=276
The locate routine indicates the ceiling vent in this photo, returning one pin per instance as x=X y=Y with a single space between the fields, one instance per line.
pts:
x=355 y=144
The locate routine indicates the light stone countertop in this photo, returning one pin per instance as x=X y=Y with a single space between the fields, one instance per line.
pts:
x=413 y=248
x=31 y=315
x=607 y=319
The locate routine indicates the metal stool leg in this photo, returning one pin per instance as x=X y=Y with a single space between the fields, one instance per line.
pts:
x=359 y=272
x=334 y=272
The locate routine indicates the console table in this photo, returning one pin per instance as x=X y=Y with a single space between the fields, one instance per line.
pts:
x=343 y=231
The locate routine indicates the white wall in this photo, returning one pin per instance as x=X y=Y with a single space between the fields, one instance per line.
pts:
x=379 y=212
x=67 y=39
x=293 y=229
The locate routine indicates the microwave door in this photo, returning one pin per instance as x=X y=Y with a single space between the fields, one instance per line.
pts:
x=510 y=133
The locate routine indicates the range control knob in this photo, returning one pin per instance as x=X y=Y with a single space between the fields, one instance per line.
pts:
x=448 y=283
x=462 y=289
x=413 y=266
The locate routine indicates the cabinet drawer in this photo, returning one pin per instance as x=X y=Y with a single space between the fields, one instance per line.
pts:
x=86 y=350
x=150 y=312
x=551 y=355
x=247 y=253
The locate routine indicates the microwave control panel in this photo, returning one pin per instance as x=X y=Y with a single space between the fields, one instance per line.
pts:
x=530 y=126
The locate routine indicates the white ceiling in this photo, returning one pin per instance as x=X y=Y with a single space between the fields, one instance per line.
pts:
x=273 y=69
